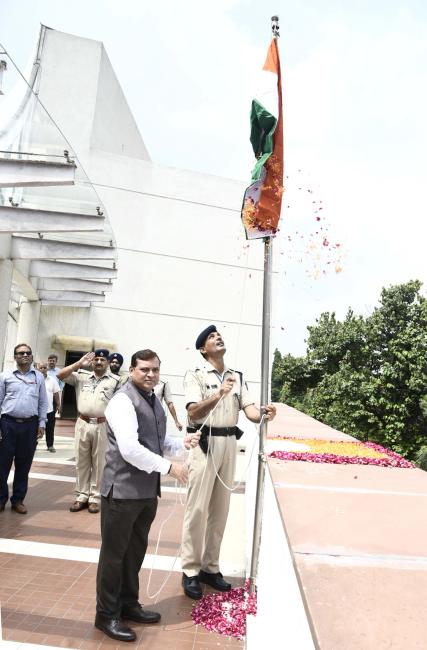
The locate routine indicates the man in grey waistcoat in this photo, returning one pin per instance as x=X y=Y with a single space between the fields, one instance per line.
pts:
x=136 y=429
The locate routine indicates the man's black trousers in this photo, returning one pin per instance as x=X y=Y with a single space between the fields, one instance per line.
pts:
x=125 y=525
x=50 y=428
x=18 y=444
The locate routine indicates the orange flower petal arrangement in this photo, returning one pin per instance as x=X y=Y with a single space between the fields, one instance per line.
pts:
x=338 y=452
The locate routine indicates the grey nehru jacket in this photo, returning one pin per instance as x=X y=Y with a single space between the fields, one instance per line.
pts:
x=127 y=481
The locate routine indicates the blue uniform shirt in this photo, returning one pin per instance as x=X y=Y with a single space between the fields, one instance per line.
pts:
x=23 y=395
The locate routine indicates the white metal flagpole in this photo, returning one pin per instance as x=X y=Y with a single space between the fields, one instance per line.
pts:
x=265 y=372
x=265 y=378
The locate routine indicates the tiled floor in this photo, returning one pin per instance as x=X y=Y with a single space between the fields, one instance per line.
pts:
x=50 y=601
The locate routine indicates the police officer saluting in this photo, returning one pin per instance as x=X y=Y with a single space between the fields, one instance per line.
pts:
x=94 y=389
x=214 y=395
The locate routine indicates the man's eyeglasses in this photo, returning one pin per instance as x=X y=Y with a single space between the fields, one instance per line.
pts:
x=23 y=354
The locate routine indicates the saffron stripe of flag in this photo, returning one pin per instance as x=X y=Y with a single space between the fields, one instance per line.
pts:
x=263 y=198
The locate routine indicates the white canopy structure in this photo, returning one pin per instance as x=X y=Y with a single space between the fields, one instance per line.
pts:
x=49 y=210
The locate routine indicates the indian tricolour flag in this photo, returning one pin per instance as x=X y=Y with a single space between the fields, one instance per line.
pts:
x=263 y=198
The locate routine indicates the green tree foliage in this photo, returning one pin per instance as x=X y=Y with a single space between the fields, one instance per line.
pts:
x=365 y=376
x=421 y=458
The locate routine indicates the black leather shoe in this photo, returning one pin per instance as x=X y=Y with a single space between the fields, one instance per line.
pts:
x=214 y=580
x=78 y=505
x=138 y=615
x=2 y=507
x=114 y=628
x=19 y=508
x=192 y=587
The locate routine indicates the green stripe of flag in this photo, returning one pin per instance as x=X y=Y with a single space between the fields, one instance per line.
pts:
x=263 y=125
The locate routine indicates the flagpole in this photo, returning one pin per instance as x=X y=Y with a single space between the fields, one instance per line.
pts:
x=265 y=372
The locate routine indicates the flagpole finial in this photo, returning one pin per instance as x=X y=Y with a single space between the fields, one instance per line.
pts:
x=275 y=26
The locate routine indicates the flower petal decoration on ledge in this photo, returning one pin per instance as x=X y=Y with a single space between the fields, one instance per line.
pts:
x=225 y=613
x=339 y=453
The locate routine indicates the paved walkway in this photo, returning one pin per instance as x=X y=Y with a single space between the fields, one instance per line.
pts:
x=48 y=562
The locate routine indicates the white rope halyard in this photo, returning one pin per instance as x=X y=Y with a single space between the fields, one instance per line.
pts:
x=156 y=594
x=231 y=489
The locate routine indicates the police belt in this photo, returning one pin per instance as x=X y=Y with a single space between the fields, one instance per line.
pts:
x=216 y=431
x=90 y=420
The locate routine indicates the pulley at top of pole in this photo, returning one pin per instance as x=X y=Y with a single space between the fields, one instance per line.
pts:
x=275 y=26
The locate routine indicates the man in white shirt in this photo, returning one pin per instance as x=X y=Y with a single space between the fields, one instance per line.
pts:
x=52 y=371
x=136 y=429
x=53 y=403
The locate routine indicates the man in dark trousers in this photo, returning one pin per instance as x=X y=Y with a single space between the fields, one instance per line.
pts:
x=23 y=407
x=53 y=403
x=136 y=429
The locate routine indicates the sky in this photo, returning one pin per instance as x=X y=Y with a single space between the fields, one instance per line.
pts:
x=355 y=106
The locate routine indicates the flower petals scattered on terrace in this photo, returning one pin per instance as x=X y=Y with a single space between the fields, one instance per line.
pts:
x=225 y=613
x=339 y=453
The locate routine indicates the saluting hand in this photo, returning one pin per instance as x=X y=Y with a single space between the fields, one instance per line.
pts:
x=87 y=358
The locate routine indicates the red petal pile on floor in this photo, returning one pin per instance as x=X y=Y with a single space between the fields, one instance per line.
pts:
x=226 y=612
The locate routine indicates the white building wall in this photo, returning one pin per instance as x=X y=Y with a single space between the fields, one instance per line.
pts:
x=183 y=259
x=181 y=266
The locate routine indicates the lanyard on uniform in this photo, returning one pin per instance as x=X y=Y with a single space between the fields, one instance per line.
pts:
x=28 y=383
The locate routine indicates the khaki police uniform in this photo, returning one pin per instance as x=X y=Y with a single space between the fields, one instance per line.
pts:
x=92 y=395
x=162 y=391
x=207 y=499
x=123 y=378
